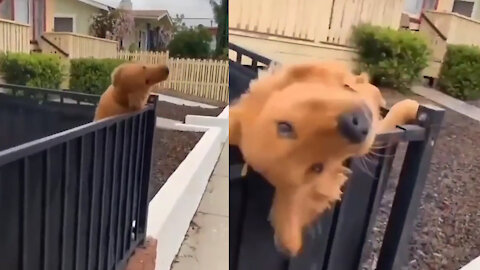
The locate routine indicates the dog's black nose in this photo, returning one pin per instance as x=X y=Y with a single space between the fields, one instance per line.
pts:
x=167 y=71
x=356 y=124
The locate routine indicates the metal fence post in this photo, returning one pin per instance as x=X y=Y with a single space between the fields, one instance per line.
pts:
x=147 y=166
x=411 y=183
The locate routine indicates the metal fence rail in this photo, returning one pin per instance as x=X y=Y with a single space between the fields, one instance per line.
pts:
x=77 y=199
x=337 y=240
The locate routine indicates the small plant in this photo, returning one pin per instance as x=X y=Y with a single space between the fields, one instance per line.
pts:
x=92 y=76
x=191 y=43
x=114 y=24
x=392 y=58
x=35 y=70
x=133 y=47
x=460 y=72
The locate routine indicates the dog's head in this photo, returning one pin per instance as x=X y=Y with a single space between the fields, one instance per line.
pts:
x=294 y=122
x=138 y=77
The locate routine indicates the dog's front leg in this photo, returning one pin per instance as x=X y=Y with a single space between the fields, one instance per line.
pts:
x=401 y=113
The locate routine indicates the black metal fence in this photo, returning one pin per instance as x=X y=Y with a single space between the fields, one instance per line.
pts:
x=27 y=113
x=337 y=241
x=76 y=199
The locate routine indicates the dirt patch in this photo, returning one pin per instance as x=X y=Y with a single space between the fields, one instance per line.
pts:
x=448 y=222
x=170 y=147
x=178 y=112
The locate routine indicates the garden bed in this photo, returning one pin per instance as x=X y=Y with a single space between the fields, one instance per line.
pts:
x=446 y=234
x=170 y=148
x=178 y=112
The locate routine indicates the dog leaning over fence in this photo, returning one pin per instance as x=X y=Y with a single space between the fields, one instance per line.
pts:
x=130 y=88
x=297 y=126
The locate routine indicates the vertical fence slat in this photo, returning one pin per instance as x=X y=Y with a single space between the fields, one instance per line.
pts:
x=353 y=217
x=84 y=198
x=10 y=188
x=122 y=198
x=94 y=183
x=64 y=187
x=129 y=193
x=136 y=174
x=150 y=120
x=257 y=249
x=114 y=209
x=105 y=193
x=45 y=208
x=23 y=215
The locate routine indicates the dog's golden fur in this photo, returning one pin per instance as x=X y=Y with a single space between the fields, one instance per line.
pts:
x=307 y=171
x=131 y=85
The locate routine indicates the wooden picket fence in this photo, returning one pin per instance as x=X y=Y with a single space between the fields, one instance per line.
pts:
x=14 y=37
x=205 y=78
x=144 y=57
x=327 y=21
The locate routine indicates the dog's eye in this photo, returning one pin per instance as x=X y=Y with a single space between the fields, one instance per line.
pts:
x=286 y=130
x=147 y=81
x=144 y=67
x=349 y=87
x=317 y=168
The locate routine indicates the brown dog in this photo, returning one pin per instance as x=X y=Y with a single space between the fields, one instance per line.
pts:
x=297 y=126
x=131 y=85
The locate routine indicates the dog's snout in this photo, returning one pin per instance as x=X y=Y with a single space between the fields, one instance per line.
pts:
x=356 y=124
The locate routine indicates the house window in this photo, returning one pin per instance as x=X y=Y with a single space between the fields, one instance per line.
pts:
x=22 y=11
x=63 y=24
x=463 y=7
x=6 y=9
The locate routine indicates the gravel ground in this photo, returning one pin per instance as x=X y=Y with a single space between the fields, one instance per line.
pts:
x=178 y=112
x=170 y=149
x=448 y=225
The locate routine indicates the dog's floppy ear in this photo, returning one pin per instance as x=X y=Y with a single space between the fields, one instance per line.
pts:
x=116 y=75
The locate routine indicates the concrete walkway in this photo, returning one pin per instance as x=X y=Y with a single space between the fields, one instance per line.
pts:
x=206 y=245
x=448 y=102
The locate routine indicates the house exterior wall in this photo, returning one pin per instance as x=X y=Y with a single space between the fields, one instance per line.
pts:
x=49 y=11
x=81 y=12
x=445 y=5
x=141 y=26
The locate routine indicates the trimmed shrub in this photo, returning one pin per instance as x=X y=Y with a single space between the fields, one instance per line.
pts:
x=460 y=72
x=191 y=43
x=35 y=70
x=92 y=76
x=391 y=58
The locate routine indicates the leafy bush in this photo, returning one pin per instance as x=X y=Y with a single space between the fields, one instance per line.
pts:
x=92 y=76
x=191 y=43
x=392 y=58
x=36 y=70
x=460 y=72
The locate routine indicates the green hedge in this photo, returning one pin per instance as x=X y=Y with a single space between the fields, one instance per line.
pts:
x=90 y=75
x=36 y=70
x=460 y=72
x=392 y=58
